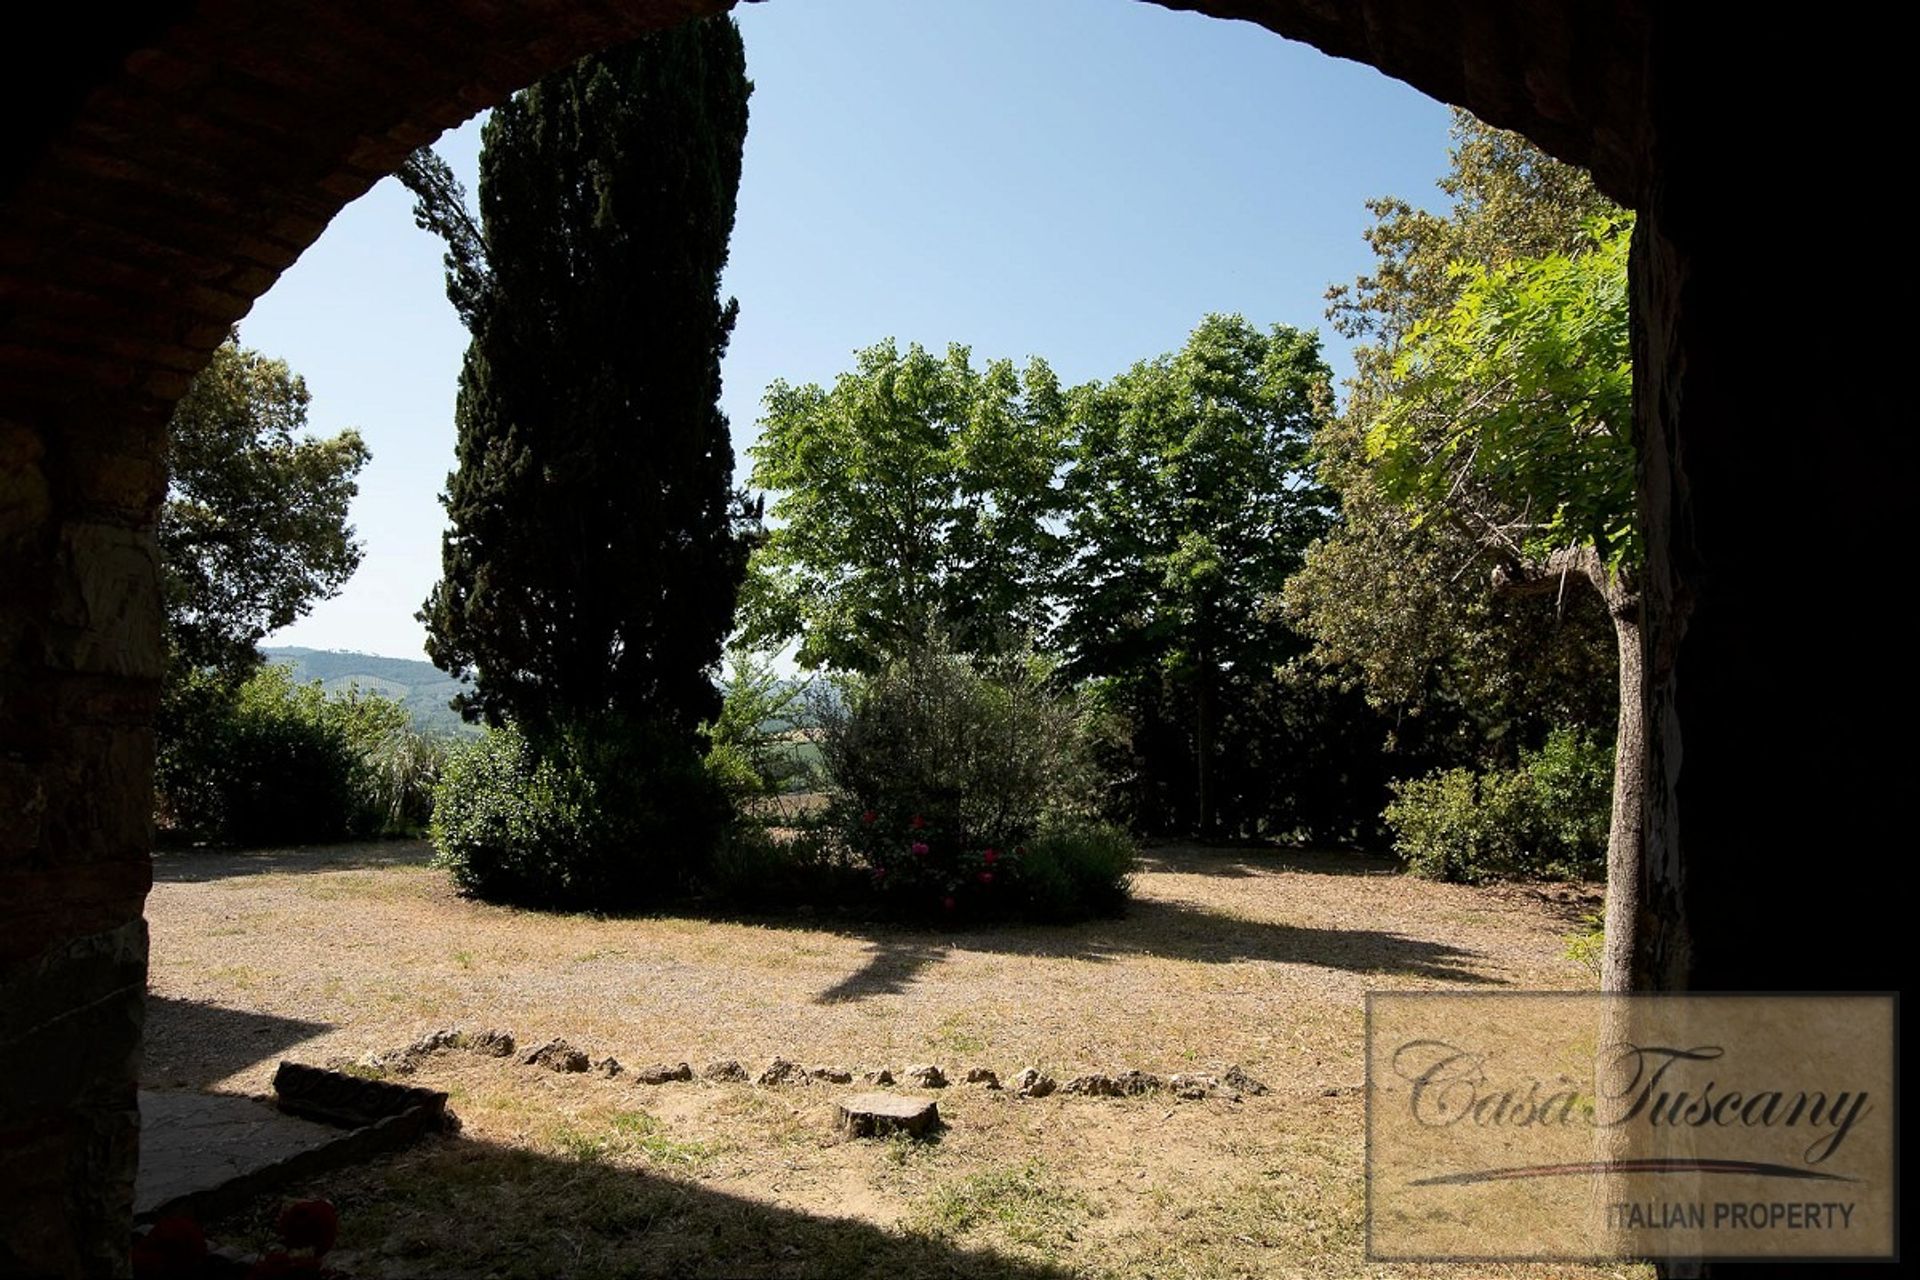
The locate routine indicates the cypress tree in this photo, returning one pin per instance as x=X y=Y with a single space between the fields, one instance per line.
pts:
x=596 y=544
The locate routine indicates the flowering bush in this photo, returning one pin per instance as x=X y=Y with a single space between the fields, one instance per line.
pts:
x=942 y=771
x=927 y=870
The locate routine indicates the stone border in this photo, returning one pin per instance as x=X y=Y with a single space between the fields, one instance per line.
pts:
x=1233 y=1084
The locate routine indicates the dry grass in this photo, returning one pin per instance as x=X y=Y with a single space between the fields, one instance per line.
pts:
x=1254 y=958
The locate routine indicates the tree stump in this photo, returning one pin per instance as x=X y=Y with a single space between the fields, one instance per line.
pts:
x=872 y=1115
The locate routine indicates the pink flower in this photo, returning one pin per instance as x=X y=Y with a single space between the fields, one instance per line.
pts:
x=879 y=873
x=869 y=817
x=991 y=856
x=986 y=877
x=919 y=849
x=917 y=822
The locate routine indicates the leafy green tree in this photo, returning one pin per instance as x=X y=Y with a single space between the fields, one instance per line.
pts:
x=1189 y=505
x=252 y=534
x=254 y=529
x=1512 y=420
x=596 y=546
x=916 y=491
x=1468 y=673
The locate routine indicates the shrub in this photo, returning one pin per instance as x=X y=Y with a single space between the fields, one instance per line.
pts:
x=275 y=762
x=941 y=773
x=604 y=819
x=1549 y=817
x=1077 y=869
x=755 y=870
x=1572 y=776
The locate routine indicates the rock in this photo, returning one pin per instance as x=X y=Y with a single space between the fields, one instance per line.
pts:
x=1133 y=1083
x=832 y=1075
x=495 y=1044
x=386 y=1064
x=1092 y=1086
x=609 y=1067
x=780 y=1071
x=661 y=1073
x=927 y=1077
x=878 y=1076
x=557 y=1055
x=436 y=1042
x=1192 y=1087
x=870 y=1115
x=980 y=1075
x=1032 y=1084
x=1235 y=1078
x=726 y=1071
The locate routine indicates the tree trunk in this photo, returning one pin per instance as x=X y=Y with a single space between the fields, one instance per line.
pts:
x=1626 y=890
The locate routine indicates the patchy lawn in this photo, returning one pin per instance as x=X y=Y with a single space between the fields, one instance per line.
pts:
x=1228 y=957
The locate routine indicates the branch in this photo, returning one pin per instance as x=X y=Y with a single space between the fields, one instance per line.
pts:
x=440 y=206
x=1537 y=578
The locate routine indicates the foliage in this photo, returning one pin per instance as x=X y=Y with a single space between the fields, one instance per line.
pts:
x=918 y=491
x=275 y=762
x=1406 y=605
x=1548 y=817
x=1513 y=410
x=1072 y=869
x=608 y=819
x=254 y=528
x=760 y=870
x=1189 y=507
x=596 y=546
x=753 y=746
x=942 y=769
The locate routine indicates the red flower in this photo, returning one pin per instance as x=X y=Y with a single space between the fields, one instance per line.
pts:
x=986 y=877
x=309 y=1224
x=919 y=849
x=991 y=856
x=948 y=902
x=869 y=817
x=1019 y=851
x=917 y=822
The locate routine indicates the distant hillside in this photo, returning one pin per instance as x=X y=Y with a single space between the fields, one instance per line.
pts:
x=422 y=688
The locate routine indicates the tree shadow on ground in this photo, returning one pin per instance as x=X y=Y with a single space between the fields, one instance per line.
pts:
x=1244 y=861
x=190 y=1045
x=199 y=866
x=1168 y=930
x=459 y=1207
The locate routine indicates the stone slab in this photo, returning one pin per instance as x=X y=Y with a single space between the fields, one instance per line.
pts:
x=191 y=1143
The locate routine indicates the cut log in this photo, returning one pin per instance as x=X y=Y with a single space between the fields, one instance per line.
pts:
x=872 y=1115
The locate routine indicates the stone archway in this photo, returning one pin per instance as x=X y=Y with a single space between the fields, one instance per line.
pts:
x=163 y=168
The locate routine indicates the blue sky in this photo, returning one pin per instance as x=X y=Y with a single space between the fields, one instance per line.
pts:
x=1076 y=179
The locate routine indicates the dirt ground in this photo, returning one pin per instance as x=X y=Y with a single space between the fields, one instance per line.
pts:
x=1228 y=957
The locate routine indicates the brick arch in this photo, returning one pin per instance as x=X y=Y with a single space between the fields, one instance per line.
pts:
x=165 y=166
